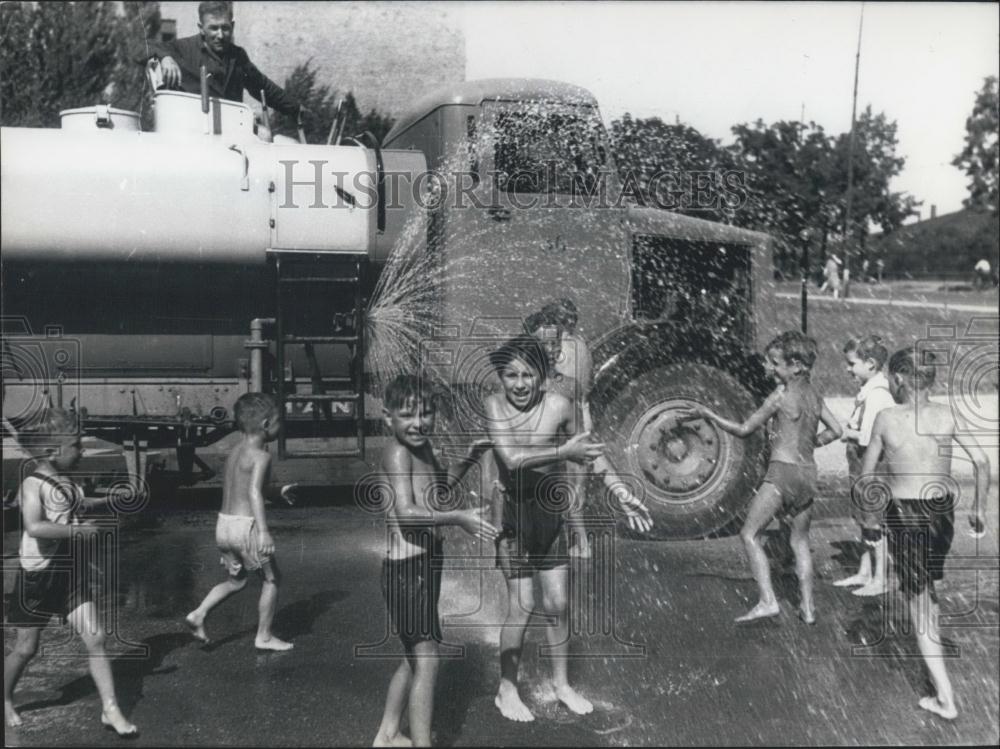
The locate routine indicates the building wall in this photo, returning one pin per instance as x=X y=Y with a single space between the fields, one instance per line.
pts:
x=387 y=53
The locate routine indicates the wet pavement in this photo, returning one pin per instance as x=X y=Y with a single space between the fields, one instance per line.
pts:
x=655 y=647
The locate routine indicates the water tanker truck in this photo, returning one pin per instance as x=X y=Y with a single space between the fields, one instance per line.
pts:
x=150 y=278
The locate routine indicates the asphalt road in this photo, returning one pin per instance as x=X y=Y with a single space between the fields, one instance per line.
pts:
x=655 y=648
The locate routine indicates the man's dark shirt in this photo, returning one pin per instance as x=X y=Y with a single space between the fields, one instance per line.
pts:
x=230 y=74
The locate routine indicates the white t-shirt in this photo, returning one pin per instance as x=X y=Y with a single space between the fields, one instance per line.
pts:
x=874 y=396
x=59 y=498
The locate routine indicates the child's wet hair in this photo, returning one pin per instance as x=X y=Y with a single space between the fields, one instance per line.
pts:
x=868 y=347
x=920 y=374
x=527 y=348
x=50 y=427
x=252 y=408
x=795 y=347
x=408 y=387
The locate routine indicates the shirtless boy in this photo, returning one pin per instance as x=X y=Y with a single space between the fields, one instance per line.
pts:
x=531 y=434
x=914 y=439
x=411 y=571
x=241 y=531
x=790 y=482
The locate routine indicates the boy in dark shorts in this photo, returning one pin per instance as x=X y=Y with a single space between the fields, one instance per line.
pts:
x=45 y=588
x=790 y=483
x=529 y=429
x=413 y=477
x=914 y=439
x=241 y=534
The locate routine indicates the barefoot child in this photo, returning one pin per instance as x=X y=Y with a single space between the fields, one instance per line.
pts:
x=790 y=482
x=571 y=375
x=241 y=531
x=914 y=439
x=865 y=359
x=411 y=571
x=49 y=503
x=529 y=429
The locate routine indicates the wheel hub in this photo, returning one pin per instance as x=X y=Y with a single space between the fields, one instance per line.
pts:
x=678 y=458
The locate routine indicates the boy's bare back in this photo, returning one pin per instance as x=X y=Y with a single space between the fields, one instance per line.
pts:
x=799 y=408
x=246 y=470
x=912 y=445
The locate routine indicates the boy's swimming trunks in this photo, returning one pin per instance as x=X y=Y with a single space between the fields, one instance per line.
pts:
x=920 y=532
x=532 y=535
x=796 y=483
x=236 y=538
x=411 y=588
x=67 y=583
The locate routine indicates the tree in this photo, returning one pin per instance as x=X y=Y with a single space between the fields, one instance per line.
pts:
x=980 y=158
x=58 y=56
x=320 y=101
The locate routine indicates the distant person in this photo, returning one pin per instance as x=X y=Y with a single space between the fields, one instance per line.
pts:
x=984 y=278
x=411 y=570
x=879 y=270
x=831 y=276
x=228 y=64
x=241 y=532
x=914 y=439
x=790 y=484
x=865 y=358
x=52 y=534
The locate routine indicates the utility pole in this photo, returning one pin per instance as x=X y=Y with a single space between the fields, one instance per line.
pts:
x=849 y=197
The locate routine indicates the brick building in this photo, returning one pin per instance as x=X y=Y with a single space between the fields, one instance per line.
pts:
x=387 y=53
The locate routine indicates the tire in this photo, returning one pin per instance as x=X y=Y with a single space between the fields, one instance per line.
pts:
x=695 y=478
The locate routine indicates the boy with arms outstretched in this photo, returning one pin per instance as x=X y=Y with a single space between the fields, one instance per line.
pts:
x=790 y=483
x=49 y=505
x=531 y=434
x=241 y=532
x=411 y=572
x=914 y=440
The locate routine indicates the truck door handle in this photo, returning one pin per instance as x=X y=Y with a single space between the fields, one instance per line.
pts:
x=245 y=183
x=499 y=214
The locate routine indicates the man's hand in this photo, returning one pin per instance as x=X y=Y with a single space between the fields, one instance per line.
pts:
x=977 y=524
x=850 y=435
x=580 y=449
x=171 y=72
x=473 y=523
x=637 y=513
x=266 y=543
x=695 y=412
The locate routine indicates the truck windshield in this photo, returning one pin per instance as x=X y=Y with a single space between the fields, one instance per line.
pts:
x=542 y=147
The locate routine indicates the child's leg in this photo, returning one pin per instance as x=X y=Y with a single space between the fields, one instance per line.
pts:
x=24 y=650
x=395 y=702
x=876 y=548
x=85 y=621
x=266 y=608
x=555 y=602
x=803 y=563
x=579 y=543
x=763 y=507
x=425 y=668
x=925 y=617
x=196 y=619
x=520 y=602
x=864 y=574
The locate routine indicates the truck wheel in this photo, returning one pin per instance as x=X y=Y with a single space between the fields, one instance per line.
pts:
x=696 y=478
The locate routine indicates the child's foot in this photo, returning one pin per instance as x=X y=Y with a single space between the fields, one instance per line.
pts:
x=760 y=611
x=399 y=739
x=857 y=579
x=873 y=588
x=933 y=704
x=271 y=643
x=113 y=720
x=508 y=701
x=197 y=626
x=11 y=716
x=573 y=700
x=807 y=615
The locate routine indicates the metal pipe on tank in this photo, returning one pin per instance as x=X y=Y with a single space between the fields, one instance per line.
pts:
x=257 y=344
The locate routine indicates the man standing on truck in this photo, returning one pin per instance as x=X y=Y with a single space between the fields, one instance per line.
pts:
x=228 y=65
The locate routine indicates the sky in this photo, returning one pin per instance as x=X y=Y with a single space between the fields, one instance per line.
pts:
x=715 y=64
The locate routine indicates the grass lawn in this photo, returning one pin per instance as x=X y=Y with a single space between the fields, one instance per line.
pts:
x=832 y=324
x=942 y=291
